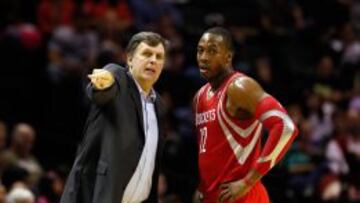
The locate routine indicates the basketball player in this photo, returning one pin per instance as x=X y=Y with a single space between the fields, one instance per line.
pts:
x=231 y=112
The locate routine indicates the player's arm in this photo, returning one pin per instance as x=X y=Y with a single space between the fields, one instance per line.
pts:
x=102 y=88
x=245 y=94
x=247 y=99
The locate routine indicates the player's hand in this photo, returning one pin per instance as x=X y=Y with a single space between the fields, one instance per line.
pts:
x=198 y=197
x=101 y=79
x=233 y=190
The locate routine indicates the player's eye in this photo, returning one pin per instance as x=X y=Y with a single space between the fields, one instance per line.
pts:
x=200 y=50
x=212 y=51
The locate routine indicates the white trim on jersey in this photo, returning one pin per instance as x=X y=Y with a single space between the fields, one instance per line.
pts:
x=242 y=132
x=198 y=94
x=287 y=132
x=241 y=153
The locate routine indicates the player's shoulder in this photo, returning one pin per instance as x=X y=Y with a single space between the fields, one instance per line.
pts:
x=197 y=96
x=243 y=84
x=202 y=90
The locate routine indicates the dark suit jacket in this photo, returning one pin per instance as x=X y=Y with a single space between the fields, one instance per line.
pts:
x=112 y=145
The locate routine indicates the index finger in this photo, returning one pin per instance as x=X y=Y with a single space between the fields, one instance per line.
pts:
x=224 y=195
x=224 y=186
x=99 y=77
x=96 y=70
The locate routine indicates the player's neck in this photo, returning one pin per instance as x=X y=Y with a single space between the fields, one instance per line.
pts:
x=219 y=79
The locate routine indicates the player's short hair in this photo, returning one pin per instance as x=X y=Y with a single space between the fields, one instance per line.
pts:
x=225 y=34
x=150 y=38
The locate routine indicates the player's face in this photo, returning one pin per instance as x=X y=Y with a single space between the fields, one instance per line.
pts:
x=147 y=62
x=212 y=55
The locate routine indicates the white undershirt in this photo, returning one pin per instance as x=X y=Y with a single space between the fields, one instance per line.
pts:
x=138 y=189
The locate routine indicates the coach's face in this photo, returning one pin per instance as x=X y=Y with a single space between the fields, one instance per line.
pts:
x=146 y=63
x=212 y=55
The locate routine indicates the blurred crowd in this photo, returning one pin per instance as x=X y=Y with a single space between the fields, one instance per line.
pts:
x=306 y=53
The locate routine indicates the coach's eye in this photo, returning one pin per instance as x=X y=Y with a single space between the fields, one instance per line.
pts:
x=147 y=54
x=160 y=56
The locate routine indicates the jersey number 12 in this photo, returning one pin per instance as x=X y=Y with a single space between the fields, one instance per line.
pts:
x=203 y=136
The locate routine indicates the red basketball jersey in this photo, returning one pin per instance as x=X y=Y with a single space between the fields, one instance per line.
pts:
x=227 y=146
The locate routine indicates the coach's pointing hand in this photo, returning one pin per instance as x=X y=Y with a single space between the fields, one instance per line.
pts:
x=101 y=79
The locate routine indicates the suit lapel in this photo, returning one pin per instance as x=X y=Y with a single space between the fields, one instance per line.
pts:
x=159 y=115
x=135 y=94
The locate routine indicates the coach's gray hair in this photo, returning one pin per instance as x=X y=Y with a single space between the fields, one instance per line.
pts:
x=150 y=38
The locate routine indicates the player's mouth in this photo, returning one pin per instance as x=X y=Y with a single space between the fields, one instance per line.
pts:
x=204 y=68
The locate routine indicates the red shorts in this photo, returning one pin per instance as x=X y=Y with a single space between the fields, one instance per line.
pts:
x=257 y=194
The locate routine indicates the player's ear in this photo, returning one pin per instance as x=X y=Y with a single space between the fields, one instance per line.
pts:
x=229 y=57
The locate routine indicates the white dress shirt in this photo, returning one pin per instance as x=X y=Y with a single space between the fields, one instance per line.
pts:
x=138 y=189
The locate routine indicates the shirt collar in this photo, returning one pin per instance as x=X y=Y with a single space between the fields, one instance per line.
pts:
x=152 y=95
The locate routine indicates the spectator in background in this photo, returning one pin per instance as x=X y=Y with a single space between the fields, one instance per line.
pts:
x=51 y=186
x=72 y=50
x=148 y=12
x=2 y=193
x=20 y=195
x=20 y=155
x=162 y=187
x=14 y=176
x=319 y=119
x=336 y=149
x=265 y=76
x=53 y=13
x=24 y=34
x=301 y=163
x=102 y=10
x=3 y=135
x=351 y=44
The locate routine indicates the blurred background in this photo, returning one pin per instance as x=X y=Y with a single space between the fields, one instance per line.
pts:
x=304 y=52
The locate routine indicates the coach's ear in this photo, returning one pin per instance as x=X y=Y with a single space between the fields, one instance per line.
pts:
x=129 y=58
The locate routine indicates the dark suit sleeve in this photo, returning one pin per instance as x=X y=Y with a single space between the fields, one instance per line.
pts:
x=102 y=97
